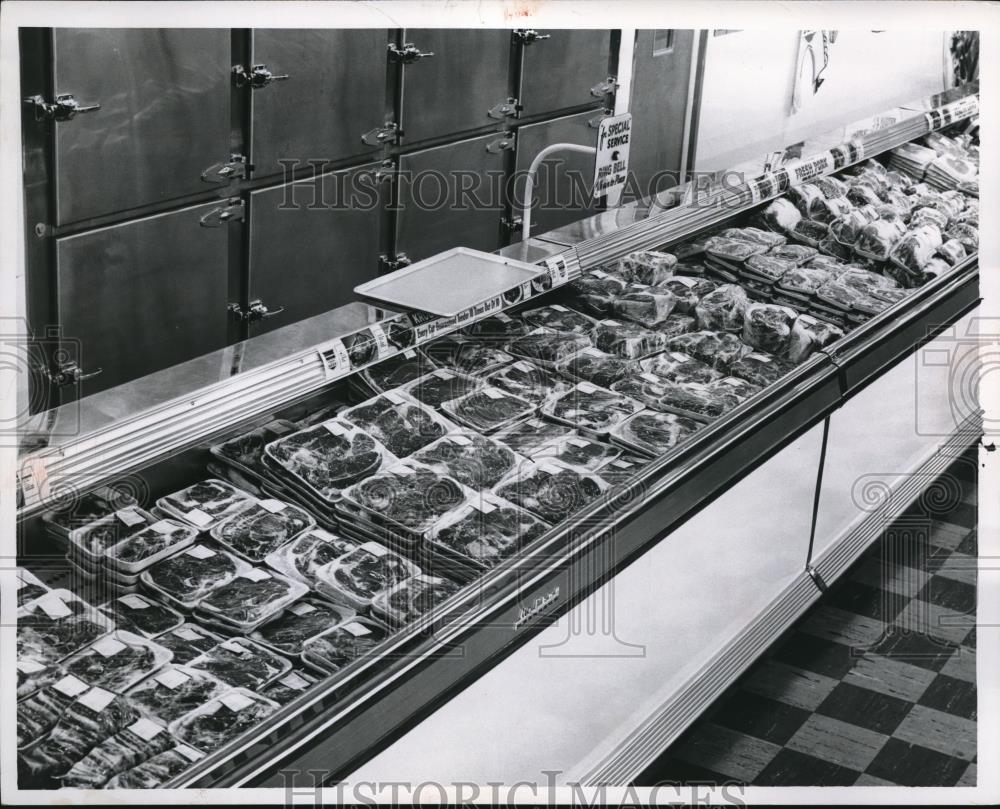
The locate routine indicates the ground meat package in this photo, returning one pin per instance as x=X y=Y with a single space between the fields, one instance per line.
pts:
x=397 y=370
x=653 y=433
x=188 y=641
x=157 y=769
x=400 y=423
x=187 y=577
x=761 y=369
x=559 y=318
x=467 y=355
x=208 y=727
x=590 y=409
x=488 y=409
x=146 y=547
x=254 y=596
x=718 y=350
x=245 y=452
x=723 y=309
x=645 y=305
x=302 y=620
x=357 y=577
x=810 y=334
x=547 y=347
x=527 y=436
x=39 y=713
x=303 y=556
x=204 y=504
x=596 y=366
x=442 y=385
x=527 y=380
x=241 y=663
x=767 y=327
x=173 y=692
x=628 y=340
x=551 y=490
x=55 y=625
x=262 y=528
x=413 y=598
x=142 y=615
x=693 y=400
x=343 y=644
x=647 y=267
x=474 y=460
x=117 y=661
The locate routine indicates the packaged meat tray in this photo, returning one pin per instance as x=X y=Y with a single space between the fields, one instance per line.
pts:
x=222 y=719
x=156 y=770
x=303 y=556
x=527 y=380
x=781 y=215
x=187 y=642
x=55 y=625
x=173 y=692
x=101 y=502
x=647 y=267
x=400 y=423
x=245 y=452
x=753 y=235
x=149 y=545
x=484 y=534
x=628 y=340
x=488 y=409
x=241 y=663
x=825 y=209
x=329 y=457
x=357 y=577
x=877 y=238
x=761 y=369
x=39 y=713
x=34 y=674
x=187 y=577
x=804 y=281
x=831 y=187
x=693 y=400
x=951 y=251
x=443 y=385
x=117 y=661
x=653 y=433
x=732 y=251
x=767 y=267
x=289 y=687
x=676 y=324
x=547 y=347
x=204 y=504
x=809 y=233
x=803 y=196
x=551 y=491
x=474 y=357
x=141 y=615
x=500 y=327
x=254 y=596
x=559 y=318
x=133 y=745
x=928 y=216
x=262 y=528
x=967 y=235
x=648 y=306
x=595 y=291
x=723 y=309
x=767 y=327
x=395 y=371
x=474 y=460
x=597 y=367
x=29 y=586
x=797 y=253
x=688 y=290
x=675 y=366
x=717 y=350
x=916 y=248
x=409 y=600
x=287 y=632
x=733 y=390
x=590 y=409
x=343 y=644
x=624 y=469
x=527 y=436
x=89 y=543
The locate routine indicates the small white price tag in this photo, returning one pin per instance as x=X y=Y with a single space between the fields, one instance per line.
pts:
x=28 y=665
x=134 y=602
x=493 y=393
x=550 y=469
x=460 y=440
x=758 y=357
x=97 y=699
x=301 y=609
x=53 y=606
x=162 y=527
x=650 y=377
x=620 y=464
x=235 y=701
x=256 y=574
x=130 y=517
x=199 y=517
x=486 y=507
x=679 y=357
x=200 y=552
x=556 y=307
x=410 y=354
x=356 y=629
x=172 y=678
x=395 y=397
x=189 y=752
x=578 y=442
x=503 y=317
x=273 y=506
x=586 y=387
x=187 y=633
x=70 y=686
x=234 y=646
x=375 y=548
x=296 y=681
x=381 y=341
x=444 y=374
x=335 y=427
x=524 y=365
x=108 y=646
x=146 y=729
x=402 y=470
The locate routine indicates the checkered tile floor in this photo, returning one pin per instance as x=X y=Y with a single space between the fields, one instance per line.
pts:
x=876 y=685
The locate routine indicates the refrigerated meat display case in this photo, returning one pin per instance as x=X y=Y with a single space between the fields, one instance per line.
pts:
x=766 y=492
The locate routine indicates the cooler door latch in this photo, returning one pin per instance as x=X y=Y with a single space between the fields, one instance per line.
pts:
x=256 y=77
x=232 y=211
x=256 y=311
x=236 y=166
x=406 y=55
x=65 y=108
x=391 y=263
x=381 y=134
x=504 y=109
x=500 y=145
x=528 y=36
x=609 y=85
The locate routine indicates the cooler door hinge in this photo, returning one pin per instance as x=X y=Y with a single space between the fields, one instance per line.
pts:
x=64 y=108
x=228 y=171
x=501 y=144
x=595 y=122
x=232 y=211
x=504 y=109
x=406 y=55
x=391 y=263
x=256 y=77
x=528 y=36
x=254 y=312
x=609 y=85
x=380 y=135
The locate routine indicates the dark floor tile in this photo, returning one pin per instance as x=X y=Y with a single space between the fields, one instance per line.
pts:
x=671 y=770
x=864 y=708
x=863 y=599
x=818 y=655
x=952 y=696
x=970 y=545
x=963 y=514
x=970 y=639
x=950 y=593
x=791 y=768
x=910 y=765
x=760 y=717
x=915 y=648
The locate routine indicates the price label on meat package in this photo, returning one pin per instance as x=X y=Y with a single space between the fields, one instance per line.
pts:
x=335 y=359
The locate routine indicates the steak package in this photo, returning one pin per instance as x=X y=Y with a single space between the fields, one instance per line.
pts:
x=768 y=268
x=500 y=327
x=251 y=598
x=40 y=712
x=402 y=424
x=804 y=281
x=357 y=577
x=302 y=620
x=289 y=687
x=576 y=451
x=928 y=216
x=28 y=586
x=474 y=460
x=141 y=615
x=797 y=253
x=676 y=324
x=687 y=291
x=34 y=674
x=470 y=356
x=438 y=387
x=809 y=334
x=89 y=543
x=628 y=340
x=723 y=309
x=246 y=452
x=395 y=371
x=951 y=251
x=117 y=661
x=691 y=399
x=966 y=234
x=241 y=663
x=527 y=380
x=173 y=692
x=754 y=235
x=547 y=347
x=415 y=597
x=732 y=251
x=262 y=528
x=94 y=505
x=204 y=504
x=488 y=409
x=624 y=469
x=654 y=433
x=916 y=248
x=527 y=436
x=876 y=239
x=55 y=625
x=596 y=291
x=141 y=740
x=767 y=327
x=343 y=644
x=149 y=545
x=220 y=720
x=187 y=577
x=647 y=267
x=781 y=215
x=329 y=457
x=551 y=490
x=803 y=196
x=559 y=318
x=188 y=641
x=303 y=556
x=591 y=409
x=760 y=369
x=717 y=350
x=156 y=770
x=645 y=305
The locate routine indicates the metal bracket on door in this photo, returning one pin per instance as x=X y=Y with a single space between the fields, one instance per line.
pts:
x=500 y=145
x=257 y=77
x=528 y=36
x=385 y=171
x=217 y=217
x=392 y=263
x=595 y=122
x=406 y=55
x=513 y=224
x=253 y=313
x=504 y=109
x=228 y=171
x=65 y=108
x=67 y=373
x=609 y=85
x=381 y=134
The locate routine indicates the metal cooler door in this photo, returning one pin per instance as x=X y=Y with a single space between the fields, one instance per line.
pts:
x=435 y=214
x=558 y=72
x=564 y=180
x=311 y=243
x=163 y=117
x=453 y=90
x=143 y=295
x=334 y=94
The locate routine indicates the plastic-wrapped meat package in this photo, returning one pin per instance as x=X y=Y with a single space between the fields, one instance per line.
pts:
x=253 y=597
x=628 y=340
x=547 y=347
x=810 y=233
x=474 y=460
x=782 y=215
x=691 y=399
x=675 y=366
x=899 y=181
x=173 y=692
x=647 y=267
x=559 y=318
x=877 y=238
x=829 y=264
x=967 y=235
x=810 y=334
x=55 y=625
x=241 y=663
x=139 y=741
x=262 y=528
x=143 y=548
x=831 y=187
x=804 y=281
x=400 y=423
x=590 y=409
x=645 y=305
x=488 y=409
x=527 y=436
x=687 y=290
x=596 y=366
x=576 y=451
x=89 y=543
x=142 y=615
x=187 y=577
x=928 y=216
x=301 y=558
x=767 y=327
x=486 y=533
x=654 y=433
x=204 y=504
x=302 y=620
x=916 y=248
x=731 y=251
x=718 y=350
x=442 y=386
x=289 y=687
x=187 y=641
x=796 y=253
x=676 y=324
x=28 y=586
x=397 y=370
x=826 y=209
x=157 y=769
x=866 y=281
x=733 y=390
x=527 y=380
x=246 y=451
x=761 y=369
x=691 y=267
x=222 y=719
x=768 y=268
x=624 y=468
x=846 y=229
x=723 y=309
x=900 y=203
x=357 y=577
x=831 y=247
x=40 y=712
x=409 y=600
x=501 y=327
x=117 y=661
x=470 y=356
x=34 y=673
x=343 y=644
x=802 y=197
x=595 y=291
x=84 y=510
x=552 y=491
x=909 y=279
x=863 y=194
x=754 y=236
x=951 y=251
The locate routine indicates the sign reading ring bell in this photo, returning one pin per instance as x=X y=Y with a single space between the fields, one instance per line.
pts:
x=611 y=161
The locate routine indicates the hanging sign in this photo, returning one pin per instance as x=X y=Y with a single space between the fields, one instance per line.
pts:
x=611 y=161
